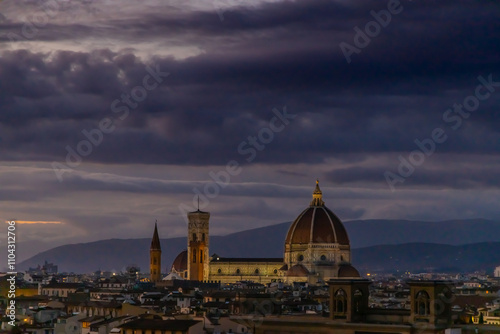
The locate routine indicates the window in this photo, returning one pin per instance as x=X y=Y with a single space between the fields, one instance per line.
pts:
x=219 y=270
x=194 y=237
x=238 y=271
x=340 y=302
x=422 y=303
x=256 y=271
x=323 y=257
x=275 y=271
x=300 y=257
x=203 y=237
x=358 y=297
x=201 y=256
x=194 y=256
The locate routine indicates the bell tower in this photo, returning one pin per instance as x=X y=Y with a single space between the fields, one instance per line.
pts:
x=155 y=257
x=198 y=242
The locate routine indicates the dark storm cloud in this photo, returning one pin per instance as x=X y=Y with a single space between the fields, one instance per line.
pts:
x=102 y=182
x=276 y=54
x=439 y=172
x=353 y=120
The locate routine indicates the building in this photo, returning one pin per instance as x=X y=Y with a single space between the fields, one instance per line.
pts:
x=430 y=313
x=61 y=290
x=46 y=269
x=157 y=326
x=155 y=257
x=316 y=249
x=497 y=271
x=198 y=258
x=179 y=266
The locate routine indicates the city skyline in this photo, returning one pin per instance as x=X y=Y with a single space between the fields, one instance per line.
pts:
x=115 y=116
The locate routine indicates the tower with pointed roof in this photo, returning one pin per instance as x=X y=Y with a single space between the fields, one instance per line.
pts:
x=155 y=257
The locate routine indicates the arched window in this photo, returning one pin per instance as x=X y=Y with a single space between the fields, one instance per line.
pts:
x=194 y=237
x=300 y=257
x=238 y=271
x=256 y=271
x=194 y=256
x=203 y=237
x=422 y=303
x=201 y=255
x=323 y=257
x=219 y=270
x=275 y=271
x=340 y=301
x=358 y=297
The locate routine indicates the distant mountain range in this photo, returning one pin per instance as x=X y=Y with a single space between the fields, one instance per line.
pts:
x=378 y=245
x=427 y=257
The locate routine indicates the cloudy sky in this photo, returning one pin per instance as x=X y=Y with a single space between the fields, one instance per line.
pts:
x=116 y=113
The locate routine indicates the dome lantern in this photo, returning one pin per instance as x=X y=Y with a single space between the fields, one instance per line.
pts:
x=317 y=196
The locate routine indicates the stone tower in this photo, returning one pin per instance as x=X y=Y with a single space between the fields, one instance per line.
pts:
x=349 y=299
x=431 y=302
x=155 y=257
x=198 y=257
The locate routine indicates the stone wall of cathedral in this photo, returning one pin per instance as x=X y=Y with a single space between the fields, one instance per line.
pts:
x=230 y=272
x=320 y=259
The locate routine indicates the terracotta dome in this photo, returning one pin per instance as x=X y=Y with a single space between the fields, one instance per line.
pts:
x=346 y=270
x=180 y=262
x=317 y=224
x=297 y=270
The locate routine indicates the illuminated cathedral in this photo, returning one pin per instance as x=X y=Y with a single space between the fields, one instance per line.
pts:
x=316 y=249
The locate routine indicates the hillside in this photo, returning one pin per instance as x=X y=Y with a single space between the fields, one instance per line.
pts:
x=426 y=257
x=377 y=245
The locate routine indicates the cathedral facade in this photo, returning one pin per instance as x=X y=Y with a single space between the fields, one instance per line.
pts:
x=316 y=249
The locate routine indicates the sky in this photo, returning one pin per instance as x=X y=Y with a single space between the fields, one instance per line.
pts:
x=115 y=114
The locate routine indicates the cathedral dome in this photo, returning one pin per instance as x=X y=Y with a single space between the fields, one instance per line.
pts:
x=317 y=224
x=298 y=270
x=180 y=262
x=348 y=271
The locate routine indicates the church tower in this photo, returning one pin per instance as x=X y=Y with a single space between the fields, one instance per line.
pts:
x=198 y=257
x=155 y=257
